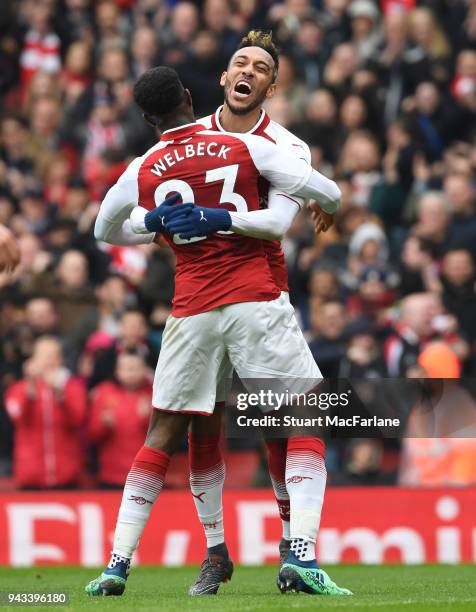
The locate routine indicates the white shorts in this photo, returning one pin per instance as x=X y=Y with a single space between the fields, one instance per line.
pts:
x=260 y=340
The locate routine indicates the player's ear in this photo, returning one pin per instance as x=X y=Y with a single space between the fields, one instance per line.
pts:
x=271 y=90
x=149 y=119
x=223 y=78
x=188 y=98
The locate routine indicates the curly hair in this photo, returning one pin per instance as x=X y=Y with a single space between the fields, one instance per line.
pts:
x=159 y=91
x=263 y=40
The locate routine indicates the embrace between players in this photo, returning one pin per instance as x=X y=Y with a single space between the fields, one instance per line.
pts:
x=231 y=308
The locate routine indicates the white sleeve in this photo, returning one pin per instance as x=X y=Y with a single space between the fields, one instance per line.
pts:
x=291 y=174
x=124 y=235
x=301 y=151
x=323 y=190
x=270 y=223
x=113 y=224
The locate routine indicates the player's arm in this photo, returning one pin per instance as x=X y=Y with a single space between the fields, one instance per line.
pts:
x=302 y=152
x=113 y=223
x=292 y=174
x=273 y=222
x=121 y=221
x=322 y=221
x=286 y=172
x=270 y=223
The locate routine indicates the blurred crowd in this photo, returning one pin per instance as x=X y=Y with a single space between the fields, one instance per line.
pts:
x=383 y=92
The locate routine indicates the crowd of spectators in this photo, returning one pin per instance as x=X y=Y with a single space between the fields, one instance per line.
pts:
x=383 y=92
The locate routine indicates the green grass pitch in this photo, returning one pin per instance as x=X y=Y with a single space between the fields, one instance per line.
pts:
x=382 y=588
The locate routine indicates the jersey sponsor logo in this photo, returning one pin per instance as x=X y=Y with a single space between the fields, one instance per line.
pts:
x=199 y=149
x=199 y=496
x=297 y=479
x=139 y=500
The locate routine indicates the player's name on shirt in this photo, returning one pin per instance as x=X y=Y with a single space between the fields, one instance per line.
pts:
x=199 y=149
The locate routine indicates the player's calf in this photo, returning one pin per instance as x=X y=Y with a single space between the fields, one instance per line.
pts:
x=143 y=486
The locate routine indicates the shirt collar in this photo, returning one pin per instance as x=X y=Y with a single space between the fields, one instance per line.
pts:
x=181 y=130
x=263 y=119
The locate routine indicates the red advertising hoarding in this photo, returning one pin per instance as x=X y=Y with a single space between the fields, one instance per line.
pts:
x=367 y=525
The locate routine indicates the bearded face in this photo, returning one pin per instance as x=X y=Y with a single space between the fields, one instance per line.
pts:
x=249 y=80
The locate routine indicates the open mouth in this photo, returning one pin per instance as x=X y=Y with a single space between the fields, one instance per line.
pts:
x=242 y=89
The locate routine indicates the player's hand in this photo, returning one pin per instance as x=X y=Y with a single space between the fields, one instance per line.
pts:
x=200 y=221
x=156 y=219
x=9 y=250
x=322 y=220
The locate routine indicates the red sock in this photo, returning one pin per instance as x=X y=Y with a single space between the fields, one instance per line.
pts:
x=207 y=476
x=203 y=451
x=314 y=446
x=143 y=485
x=148 y=470
x=277 y=472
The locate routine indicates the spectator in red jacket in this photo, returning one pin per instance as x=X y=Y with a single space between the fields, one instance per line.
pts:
x=119 y=418
x=48 y=407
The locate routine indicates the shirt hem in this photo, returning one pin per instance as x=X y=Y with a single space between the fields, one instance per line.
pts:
x=186 y=312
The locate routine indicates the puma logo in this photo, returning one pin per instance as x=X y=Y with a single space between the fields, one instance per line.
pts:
x=297 y=479
x=199 y=496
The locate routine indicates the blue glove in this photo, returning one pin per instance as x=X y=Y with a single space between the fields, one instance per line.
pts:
x=199 y=221
x=156 y=219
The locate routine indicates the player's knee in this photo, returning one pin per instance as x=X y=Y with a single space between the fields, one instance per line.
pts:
x=276 y=444
x=166 y=431
x=208 y=425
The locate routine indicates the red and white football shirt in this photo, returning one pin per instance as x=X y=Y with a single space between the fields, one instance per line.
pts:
x=216 y=169
x=277 y=134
